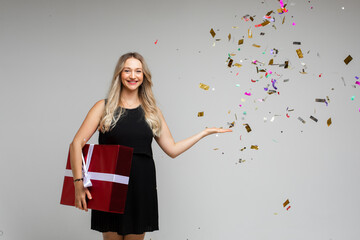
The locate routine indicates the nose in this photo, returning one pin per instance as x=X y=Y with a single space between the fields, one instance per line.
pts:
x=132 y=74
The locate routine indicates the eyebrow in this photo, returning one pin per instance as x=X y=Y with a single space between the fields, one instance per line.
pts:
x=130 y=68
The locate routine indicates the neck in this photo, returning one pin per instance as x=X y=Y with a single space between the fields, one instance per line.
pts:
x=129 y=98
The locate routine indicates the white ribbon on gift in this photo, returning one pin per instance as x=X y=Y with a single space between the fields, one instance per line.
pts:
x=108 y=177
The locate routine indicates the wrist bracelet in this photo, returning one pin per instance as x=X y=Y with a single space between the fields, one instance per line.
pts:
x=78 y=179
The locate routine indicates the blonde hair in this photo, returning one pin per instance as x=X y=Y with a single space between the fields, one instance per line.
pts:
x=147 y=99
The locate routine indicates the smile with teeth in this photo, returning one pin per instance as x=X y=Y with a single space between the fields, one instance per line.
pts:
x=132 y=82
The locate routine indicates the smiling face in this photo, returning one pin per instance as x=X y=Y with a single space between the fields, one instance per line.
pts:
x=132 y=74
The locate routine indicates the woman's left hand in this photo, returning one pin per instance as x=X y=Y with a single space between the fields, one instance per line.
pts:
x=213 y=130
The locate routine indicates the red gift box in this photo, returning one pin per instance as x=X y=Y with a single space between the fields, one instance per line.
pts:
x=106 y=172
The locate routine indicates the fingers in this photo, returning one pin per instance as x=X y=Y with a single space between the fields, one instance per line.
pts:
x=88 y=194
x=80 y=199
x=83 y=201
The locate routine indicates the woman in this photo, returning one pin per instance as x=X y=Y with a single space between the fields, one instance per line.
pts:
x=129 y=116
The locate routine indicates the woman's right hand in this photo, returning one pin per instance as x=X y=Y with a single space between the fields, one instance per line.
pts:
x=80 y=195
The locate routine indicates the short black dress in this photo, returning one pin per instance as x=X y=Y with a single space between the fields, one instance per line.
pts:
x=141 y=209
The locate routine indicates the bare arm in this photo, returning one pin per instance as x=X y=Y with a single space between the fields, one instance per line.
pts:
x=172 y=149
x=86 y=130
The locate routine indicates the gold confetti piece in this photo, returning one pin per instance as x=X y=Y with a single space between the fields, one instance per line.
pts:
x=255 y=45
x=329 y=122
x=299 y=53
x=286 y=64
x=302 y=120
x=251 y=18
x=229 y=37
x=235 y=117
x=271 y=92
x=241 y=41
x=200 y=114
x=348 y=59
x=327 y=97
x=204 y=86
x=283 y=20
x=320 y=100
x=269 y=13
x=212 y=32
x=271 y=62
x=230 y=63
x=275 y=213
x=313 y=118
x=255 y=147
x=237 y=65
x=243 y=149
x=297 y=43
x=216 y=149
x=233 y=54
x=235 y=27
x=229 y=111
x=232 y=124
x=249 y=33
x=264 y=23
x=286 y=202
x=218 y=39
x=248 y=129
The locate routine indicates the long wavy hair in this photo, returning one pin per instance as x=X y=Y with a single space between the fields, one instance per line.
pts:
x=112 y=114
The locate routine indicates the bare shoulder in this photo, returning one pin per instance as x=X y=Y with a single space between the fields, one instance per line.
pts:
x=98 y=107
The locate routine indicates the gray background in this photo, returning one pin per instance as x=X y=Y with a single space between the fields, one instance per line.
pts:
x=57 y=59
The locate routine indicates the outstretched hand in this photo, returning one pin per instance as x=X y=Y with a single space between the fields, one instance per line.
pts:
x=209 y=131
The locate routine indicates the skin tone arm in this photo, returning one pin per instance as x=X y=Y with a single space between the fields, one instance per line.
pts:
x=87 y=129
x=172 y=149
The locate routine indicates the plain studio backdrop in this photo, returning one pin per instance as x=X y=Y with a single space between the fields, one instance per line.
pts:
x=57 y=59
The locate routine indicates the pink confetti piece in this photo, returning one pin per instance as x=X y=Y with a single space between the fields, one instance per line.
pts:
x=357 y=82
x=237 y=74
x=248 y=94
x=320 y=75
x=293 y=24
x=240 y=105
x=156 y=41
x=287 y=115
x=281 y=4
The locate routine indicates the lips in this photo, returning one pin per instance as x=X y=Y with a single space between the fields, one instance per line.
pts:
x=132 y=82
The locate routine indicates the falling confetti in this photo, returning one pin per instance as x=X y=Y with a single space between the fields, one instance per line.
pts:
x=313 y=118
x=248 y=129
x=302 y=120
x=348 y=59
x=254 y=147
x=329 y=122
x=200 y=114
x=249 y=33
x=212 y=32
x=156 y=41
x=299 y=53
x=204 y=86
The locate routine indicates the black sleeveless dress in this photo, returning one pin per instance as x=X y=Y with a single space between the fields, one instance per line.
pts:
x=141 y=209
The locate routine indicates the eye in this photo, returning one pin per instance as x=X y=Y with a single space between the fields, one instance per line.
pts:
x=139 y=71
x=126 y=70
